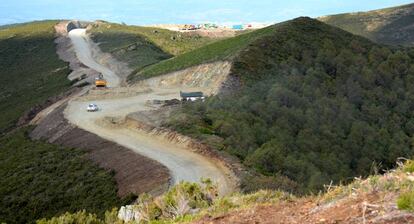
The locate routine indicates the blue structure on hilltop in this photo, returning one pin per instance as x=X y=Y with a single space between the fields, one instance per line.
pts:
x=237 y=27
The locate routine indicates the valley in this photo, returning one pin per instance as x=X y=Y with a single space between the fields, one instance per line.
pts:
x=304 y=121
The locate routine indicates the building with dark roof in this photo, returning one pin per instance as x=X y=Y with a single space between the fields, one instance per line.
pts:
x=191 y=96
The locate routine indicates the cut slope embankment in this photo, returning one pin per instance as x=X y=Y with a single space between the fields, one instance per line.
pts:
x=40 y=179
x=84 y=53
x=182 y=163
x=222 y=50
x=134 y=173
x=211 y=78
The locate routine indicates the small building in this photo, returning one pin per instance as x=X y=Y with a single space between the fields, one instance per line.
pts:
x=191 y=96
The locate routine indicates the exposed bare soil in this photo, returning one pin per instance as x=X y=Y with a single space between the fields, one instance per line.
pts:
x=210 y=78
x=183 y=162
x=39 y=111
x=150 y=122
x=184 y=165
x=121 y=149
x=375 y=207
x=66 y=52
x=133 y=173
x=86 y=53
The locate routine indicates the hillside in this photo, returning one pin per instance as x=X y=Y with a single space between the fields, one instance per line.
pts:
x=379 y=199
x=39 y=179
x=392 y=26
x=30 y=71
x=323 y=108
x=44 y=180
x=143 y=46
x=310 y=113
x=219 y=50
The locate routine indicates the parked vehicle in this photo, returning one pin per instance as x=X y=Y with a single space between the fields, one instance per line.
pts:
x=92 y=107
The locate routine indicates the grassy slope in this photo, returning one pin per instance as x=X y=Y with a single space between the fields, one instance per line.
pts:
x=39 y=179
x=220 y=50
x=348 y=200
x=316 y=106
x=143 y=46
x=285 y=53
x=389 y=26
x=30 y=71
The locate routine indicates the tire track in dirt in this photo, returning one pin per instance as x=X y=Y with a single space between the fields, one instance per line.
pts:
x=183 y=164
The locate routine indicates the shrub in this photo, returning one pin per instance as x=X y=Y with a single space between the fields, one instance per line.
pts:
x=406 y=201
x=77 y=218
x=315 y=110
x=181 y=200
x=82 y=217
x=30 y=69
x=40 y=180
x=409 y=166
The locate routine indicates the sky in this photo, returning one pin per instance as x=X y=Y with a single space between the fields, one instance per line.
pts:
x=146 y=12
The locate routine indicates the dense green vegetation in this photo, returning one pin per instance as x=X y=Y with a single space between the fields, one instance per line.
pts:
x=389 y=26
x=174 y=205
x=143 y=46
x=183 y=203
x=83 y=217
x=38 y=179
x=406 y=199
x=30 y=71
x=43 y=180
x=317 y=104
x=220 y=50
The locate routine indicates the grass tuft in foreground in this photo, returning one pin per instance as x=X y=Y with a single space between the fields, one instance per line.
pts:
x=185 y=202
x=189 y=202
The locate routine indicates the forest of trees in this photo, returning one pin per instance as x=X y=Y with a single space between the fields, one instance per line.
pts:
x=317 y=105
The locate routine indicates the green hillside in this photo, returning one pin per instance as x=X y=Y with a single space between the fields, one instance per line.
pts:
x=340 y=204
x=30 y=71
x=317 y=104
x=43 y=180
x=219 y=50
x=142 y=46
x=39 y=179
x=392 y=26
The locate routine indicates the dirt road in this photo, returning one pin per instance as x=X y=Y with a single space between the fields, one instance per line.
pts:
x=84 y=52
x=182 y=163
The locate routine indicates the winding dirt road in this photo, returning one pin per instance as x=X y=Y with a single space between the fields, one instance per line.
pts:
x=183 y=164
x=84 y=52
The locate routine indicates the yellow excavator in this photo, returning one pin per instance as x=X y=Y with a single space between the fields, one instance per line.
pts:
x=100 y=81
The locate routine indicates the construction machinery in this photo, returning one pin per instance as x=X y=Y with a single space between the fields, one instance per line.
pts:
x=100 y=81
